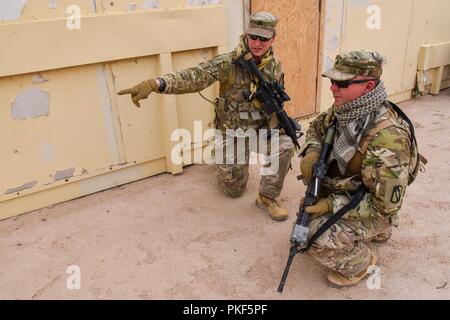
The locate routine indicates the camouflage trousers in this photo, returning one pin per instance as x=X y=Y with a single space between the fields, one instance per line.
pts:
x=233 y=178
x=343 y=246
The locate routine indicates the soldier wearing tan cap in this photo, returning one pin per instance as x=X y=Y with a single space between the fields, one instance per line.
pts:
x=235 y=111
x=374 y=150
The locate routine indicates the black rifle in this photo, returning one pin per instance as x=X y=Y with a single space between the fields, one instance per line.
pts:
x=272 y=96
x=299 y=235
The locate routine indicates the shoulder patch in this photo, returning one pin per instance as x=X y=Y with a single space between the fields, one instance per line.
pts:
x=396 y=194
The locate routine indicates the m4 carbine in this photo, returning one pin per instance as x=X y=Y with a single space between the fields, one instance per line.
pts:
x=272 y=96
x=299 y=235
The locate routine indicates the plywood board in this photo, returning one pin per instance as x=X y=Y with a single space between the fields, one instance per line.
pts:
x=297 y=47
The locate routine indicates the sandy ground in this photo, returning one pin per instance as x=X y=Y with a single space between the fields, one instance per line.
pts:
x=179 y=237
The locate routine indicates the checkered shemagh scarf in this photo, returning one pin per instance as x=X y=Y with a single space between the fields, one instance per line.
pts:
x=353 y=119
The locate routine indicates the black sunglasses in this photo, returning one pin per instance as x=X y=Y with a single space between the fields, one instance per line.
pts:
x=345 y=84
x=255 y=37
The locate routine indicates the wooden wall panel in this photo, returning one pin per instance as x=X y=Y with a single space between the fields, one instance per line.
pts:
x=297 y=47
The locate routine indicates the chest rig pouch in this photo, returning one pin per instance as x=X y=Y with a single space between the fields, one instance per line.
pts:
x=234 y=111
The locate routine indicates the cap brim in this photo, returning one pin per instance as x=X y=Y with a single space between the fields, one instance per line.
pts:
x=262 y=32
x=338 y=75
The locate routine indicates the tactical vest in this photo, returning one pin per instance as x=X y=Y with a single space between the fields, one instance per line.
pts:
x=233 y=109
x=352 y=180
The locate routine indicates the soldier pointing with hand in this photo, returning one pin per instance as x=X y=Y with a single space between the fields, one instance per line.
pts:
x=234 y=109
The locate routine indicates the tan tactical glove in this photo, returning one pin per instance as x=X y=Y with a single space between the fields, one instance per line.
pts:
x=141 y=91
x=307 y=164
x=323 y=206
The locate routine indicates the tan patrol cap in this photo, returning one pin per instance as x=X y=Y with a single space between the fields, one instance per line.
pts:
x=262 y=24
x=356 y=63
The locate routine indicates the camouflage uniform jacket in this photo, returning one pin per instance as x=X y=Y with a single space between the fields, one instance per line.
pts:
x=381 y=164
x=233 y=111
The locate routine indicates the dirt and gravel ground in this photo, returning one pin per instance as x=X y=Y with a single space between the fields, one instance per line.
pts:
x=179 y=237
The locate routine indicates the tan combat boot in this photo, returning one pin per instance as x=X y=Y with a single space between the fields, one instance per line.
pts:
x=338 y=280
x=271 y=206
x=383 y=237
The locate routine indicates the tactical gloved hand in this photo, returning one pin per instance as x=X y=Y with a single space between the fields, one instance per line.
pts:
x=323 y=206
x=307 y=164
x=141 y=91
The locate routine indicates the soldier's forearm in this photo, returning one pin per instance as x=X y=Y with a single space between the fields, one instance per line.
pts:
x=185 y=82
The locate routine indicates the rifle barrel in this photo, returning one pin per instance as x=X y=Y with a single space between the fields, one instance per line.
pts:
x=286 y=270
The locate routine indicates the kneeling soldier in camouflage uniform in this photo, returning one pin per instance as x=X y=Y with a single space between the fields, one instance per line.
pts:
x=233 y=109
x=372 y=146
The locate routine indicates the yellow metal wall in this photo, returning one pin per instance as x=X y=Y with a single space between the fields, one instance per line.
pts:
x=90 y=139
x=406 y=25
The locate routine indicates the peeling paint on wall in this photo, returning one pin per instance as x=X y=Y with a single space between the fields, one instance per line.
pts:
x=359 y=3
x=80 y=171
x=94 y=6
x=132 y=6
x=38 y=78
x=204 y=54
x=63 y=174
x=30 y=103
x=332 y=32
x=52 y=4
x=107 y=113
x=202 y=2
x=150 y=4
x=25 y=186
x=11 y=9
x=328 y=63
x=47 y=152
x=332 y=45
x=333 y=41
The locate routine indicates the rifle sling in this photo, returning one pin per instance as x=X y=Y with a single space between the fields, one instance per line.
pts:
x=360 y=192
x=356 y=199
x=404 y=117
